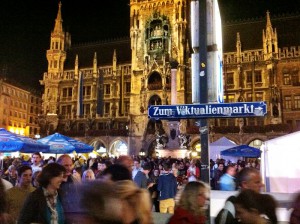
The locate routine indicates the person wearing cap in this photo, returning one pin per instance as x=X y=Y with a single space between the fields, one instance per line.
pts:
x=141 y=178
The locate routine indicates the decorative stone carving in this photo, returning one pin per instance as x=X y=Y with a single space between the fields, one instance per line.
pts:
x=183 y=141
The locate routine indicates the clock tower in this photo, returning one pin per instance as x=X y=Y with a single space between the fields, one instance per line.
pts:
x=159 y=36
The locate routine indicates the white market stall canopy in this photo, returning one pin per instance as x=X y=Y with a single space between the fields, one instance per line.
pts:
x=280 y=163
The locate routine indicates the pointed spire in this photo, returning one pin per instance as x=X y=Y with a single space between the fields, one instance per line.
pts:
x=238 y=47
x=238 y=38
x=95 y=65
x=115 y=55
x=58 y=21
x=268 y=20
x=115 y=58
x=188 y=48
x=76 y=65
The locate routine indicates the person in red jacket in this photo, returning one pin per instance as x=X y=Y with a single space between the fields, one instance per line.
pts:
x=191 y=208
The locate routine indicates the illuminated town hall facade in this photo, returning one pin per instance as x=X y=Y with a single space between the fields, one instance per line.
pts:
x=99 y=92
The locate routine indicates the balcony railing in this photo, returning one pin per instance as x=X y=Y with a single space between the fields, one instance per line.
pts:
x=111 y=132
x=154 y=86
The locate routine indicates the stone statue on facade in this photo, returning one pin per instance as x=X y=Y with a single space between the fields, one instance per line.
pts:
x=183 y=141
x=158 y=138
x=241 y=126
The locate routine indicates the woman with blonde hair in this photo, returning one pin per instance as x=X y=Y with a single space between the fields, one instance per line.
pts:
x=191 y=207
x=136 y=202
x=120 y=202
x=88 y=175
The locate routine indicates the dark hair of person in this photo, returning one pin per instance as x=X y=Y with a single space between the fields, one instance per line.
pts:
x=117 y=172
x=166 y=166
x=22 y=169
x=269 y=205
x=245 y=175
x=108 y=163
x=249 y=200
x=146 y=166
x=37 y=154
x=50 y=171
x=263 y=203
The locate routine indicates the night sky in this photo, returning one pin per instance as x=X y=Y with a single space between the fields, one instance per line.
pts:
x=25 y=27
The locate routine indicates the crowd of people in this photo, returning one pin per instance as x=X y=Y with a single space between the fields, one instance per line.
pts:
x=128 y=190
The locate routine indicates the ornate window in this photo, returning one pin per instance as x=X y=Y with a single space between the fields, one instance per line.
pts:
x=107 y=89
x=127 y=87
x=286 y=79
x=230 y=78
x=295 y=79
x=155 y=100
x=288 y=102
x=67 y=92
x=106 y=108
x=297 y=101
x=258 y=77
x=155 y=81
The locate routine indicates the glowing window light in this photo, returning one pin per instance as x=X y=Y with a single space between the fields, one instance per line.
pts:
x=122 y=148
x=198 y=147
x=101 y=149
x=194 y=154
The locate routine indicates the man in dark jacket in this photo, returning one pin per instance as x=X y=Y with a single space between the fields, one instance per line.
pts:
x=167 y=186
x=248 y=178
x=68 y=190
x=141 y=178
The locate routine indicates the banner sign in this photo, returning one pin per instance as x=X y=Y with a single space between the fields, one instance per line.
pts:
x=215 y=110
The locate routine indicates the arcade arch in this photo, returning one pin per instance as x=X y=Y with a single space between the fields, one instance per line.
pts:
x=118 y=148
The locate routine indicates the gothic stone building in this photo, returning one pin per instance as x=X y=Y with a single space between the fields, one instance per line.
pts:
x=99 y=92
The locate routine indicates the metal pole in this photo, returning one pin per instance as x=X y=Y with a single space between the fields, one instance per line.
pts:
x=203 y=88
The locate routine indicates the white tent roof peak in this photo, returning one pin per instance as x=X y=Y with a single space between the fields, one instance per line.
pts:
x=223 y=142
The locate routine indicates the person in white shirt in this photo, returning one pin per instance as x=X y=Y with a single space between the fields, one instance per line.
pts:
x=136 y=168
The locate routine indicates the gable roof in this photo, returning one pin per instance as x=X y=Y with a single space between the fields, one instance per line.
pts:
x=104 y=50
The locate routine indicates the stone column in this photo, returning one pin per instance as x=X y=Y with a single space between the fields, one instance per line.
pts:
x=174 y=65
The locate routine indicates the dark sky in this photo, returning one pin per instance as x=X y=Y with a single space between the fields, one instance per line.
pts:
x=25 y=27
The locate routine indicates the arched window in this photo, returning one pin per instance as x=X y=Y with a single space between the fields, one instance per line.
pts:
x=154 y=81
x=154 y=100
